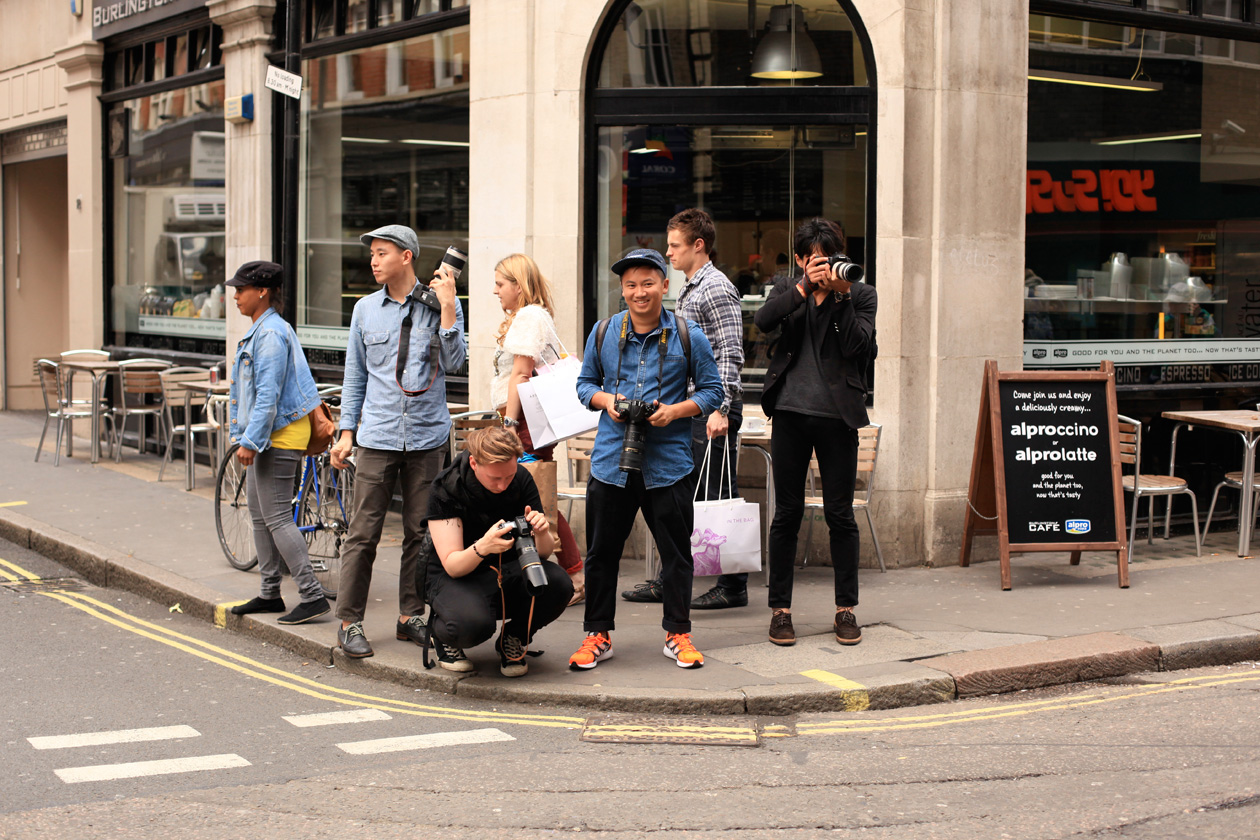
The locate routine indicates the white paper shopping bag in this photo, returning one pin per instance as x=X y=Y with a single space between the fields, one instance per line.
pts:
x=551 y=400
x=726 y=534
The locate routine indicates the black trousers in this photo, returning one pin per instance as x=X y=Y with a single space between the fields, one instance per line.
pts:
x=610 y=513
x=376 y=473
x=795 y=437
x=463 y=610
x=717 y=487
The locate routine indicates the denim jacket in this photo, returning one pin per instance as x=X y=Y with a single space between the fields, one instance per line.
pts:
x=271 y=384
x=667 y=450
x=372 y=404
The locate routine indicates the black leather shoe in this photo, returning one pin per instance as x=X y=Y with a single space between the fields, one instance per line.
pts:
x=649 y=592
x=413 y=630
x=353 y=643
x=259 y=605
x=306 y=612
x=718 y=598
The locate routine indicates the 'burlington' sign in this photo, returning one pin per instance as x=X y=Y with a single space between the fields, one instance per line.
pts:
x=110 y=18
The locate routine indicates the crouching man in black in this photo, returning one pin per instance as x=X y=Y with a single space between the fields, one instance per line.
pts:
x=475 y=574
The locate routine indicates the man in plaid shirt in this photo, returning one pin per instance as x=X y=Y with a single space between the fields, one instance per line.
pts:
x=711 y=300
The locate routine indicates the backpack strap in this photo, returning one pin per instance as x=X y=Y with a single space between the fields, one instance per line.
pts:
x=684 y=337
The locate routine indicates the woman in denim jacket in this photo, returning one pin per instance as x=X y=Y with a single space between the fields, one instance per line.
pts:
x=272 y=394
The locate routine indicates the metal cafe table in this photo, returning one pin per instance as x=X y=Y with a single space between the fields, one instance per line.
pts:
x=1246 y=424
x=99 y=369
x=210 y=389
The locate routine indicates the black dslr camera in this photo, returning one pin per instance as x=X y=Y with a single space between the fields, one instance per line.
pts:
x=427 y=296
x=527 y=552
x=635 y=413
x=843 y=268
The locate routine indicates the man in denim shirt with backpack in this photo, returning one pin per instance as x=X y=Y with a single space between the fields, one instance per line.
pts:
x=641 y=354
x=397 y=416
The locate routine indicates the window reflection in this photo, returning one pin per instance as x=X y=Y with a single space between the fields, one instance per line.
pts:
x=384 y=141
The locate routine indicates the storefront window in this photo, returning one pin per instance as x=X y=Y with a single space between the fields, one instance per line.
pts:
x=757 y=182
x=384 y=141
x=169 y=214
x=771 y=126
x=1143 y=204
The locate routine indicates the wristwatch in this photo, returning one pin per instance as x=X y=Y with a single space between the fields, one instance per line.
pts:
x=508 y=423
x=724 y=409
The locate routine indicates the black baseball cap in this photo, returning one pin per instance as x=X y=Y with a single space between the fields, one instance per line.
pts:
x=267 y=275
x=642 y=256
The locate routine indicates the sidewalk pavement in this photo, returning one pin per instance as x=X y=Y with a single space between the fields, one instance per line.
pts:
x=929 y=634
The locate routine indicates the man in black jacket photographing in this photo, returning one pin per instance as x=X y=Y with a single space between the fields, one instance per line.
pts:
x=816 y=392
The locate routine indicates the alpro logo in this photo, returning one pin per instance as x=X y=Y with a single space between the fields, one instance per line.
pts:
x=1077 y=526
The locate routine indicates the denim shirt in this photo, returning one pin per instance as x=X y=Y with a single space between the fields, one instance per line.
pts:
x=667 y=450
x=372 y=404
x=271 y=383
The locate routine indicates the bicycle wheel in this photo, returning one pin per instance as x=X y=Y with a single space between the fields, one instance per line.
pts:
x=326 y=506
x=231 y=513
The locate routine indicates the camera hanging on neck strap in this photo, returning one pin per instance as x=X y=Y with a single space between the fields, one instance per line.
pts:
x=404 y=349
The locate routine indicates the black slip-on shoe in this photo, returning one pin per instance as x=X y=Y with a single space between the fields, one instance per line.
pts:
x=412 y=630
x=718 y=598
x=305 y=612
x=259 y=605
x=352 y=641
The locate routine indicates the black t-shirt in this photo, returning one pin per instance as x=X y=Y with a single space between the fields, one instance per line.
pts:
x=457 y=494
x=805 y=389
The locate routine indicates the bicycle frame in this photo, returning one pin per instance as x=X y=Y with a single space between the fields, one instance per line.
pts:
x=310 y=468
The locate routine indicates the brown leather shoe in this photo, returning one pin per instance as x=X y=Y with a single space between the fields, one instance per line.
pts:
x=781 y=632
x=847 y=630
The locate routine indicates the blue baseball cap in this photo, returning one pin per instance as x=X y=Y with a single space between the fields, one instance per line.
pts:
x=401 y=235
x=642 y=256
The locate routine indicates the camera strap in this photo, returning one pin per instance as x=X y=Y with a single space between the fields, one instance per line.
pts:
x=662 y=345
x=404 y=349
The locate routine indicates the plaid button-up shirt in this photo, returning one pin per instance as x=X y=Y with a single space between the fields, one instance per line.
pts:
x=712 y=301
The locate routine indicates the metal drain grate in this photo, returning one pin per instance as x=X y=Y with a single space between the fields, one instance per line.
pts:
x=43 y=584
x=637 y=729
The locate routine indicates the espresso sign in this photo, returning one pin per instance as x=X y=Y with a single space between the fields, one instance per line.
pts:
x=1045 y=475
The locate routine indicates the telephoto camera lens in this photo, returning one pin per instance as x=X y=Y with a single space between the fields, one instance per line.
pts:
x=456 y=259
x=527 y=553
x=843 y=268
x=635 y=413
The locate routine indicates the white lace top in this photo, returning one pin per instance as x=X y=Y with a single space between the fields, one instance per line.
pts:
x=533 y=334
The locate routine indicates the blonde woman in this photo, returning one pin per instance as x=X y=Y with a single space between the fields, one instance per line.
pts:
x=526 y=339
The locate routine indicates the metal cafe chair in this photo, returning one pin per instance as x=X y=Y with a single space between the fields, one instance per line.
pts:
x=467 y=421
x=1141 y=484
x=140 y=396
x=868 y=457
x=58 y=407
x=173 y=397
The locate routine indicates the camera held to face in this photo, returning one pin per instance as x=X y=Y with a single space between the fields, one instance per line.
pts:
x=635 y=413
x=527 y=552
x=843 y=268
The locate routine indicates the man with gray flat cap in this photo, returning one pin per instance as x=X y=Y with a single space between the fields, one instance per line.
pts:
x=403 y=339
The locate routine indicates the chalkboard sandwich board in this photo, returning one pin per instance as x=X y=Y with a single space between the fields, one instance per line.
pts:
x=1045 y=475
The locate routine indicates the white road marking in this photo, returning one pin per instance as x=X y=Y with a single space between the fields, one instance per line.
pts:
x=330 y=718
x=424 y=742
x=135 y=769
x=121 y=736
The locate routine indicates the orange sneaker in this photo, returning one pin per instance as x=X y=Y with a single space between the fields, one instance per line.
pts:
x=679 y=648
x=596 y=648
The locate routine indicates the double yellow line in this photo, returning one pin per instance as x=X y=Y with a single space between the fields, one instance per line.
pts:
x=259 y=671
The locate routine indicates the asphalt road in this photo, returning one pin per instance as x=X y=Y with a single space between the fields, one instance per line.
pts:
x=123 y=718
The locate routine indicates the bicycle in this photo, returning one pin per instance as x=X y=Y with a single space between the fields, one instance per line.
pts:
x=322 y=499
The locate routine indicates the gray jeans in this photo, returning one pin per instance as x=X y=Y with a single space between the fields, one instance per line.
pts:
x=269 y=488
x=375 y=474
